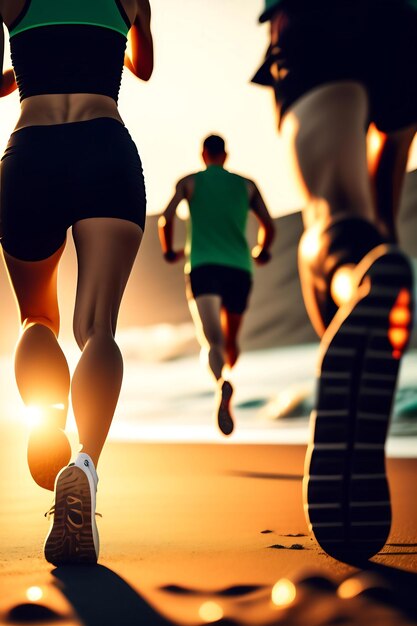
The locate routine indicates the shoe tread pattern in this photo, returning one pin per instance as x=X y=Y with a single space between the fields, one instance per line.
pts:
x=70 y=540
x=346 y=489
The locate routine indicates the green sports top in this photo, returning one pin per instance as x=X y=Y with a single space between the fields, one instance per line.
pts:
x=216 y=230
x=69 y=46
x=105 y=13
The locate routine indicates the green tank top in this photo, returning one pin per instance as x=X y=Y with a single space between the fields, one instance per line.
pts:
x=105 y=13
x=216 y=230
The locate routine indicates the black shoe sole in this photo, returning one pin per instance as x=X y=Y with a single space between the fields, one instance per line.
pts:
x=224 y=418
x=70 y=540
x=346 y=491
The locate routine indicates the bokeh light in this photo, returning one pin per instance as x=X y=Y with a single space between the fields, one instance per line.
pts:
x=34 y=594
x=343 y=285
x=210 y=612
x=349 y=588
x=283 y=593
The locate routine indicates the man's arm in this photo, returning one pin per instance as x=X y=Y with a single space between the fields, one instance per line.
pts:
x=141 y=61
x=7 y=78
x=166 y=223
x=266 y=230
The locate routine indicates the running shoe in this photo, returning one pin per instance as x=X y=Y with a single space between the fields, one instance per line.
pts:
x=346 y=493
x=224 y=417
x=73 y=536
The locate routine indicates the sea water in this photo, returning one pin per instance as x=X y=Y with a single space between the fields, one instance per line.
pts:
x=168 y=395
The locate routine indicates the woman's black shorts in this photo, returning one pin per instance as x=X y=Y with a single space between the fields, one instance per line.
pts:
x=373 y=42
x=53 y=176
x=233 y=285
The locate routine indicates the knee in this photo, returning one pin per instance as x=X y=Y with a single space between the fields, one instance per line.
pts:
x=216 y=341
x=84 y=330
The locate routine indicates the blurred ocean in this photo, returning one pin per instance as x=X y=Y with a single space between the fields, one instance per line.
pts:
x=168 y=395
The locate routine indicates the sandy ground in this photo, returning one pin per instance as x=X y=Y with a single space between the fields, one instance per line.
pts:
x=199 y=533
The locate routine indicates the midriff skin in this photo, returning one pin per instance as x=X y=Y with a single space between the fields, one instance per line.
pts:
x=65 y=108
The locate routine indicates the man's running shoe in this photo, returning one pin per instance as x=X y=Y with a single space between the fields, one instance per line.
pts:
x=224 y=417
x=73 y=536
x=346 y=492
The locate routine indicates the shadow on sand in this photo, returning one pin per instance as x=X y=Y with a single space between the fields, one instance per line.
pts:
x=101 y=597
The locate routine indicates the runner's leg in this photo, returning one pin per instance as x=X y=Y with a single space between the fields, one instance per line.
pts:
x=106 y=249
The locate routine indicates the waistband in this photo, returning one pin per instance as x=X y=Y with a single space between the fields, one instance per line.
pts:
x=37 y=129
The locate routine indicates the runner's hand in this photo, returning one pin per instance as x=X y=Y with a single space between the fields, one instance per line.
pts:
x=260 y=256
x=172 y=257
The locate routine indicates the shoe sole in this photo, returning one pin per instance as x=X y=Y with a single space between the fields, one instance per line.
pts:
x=48 y=452
x=345 y=489
x=224 y=419
x=70 y=540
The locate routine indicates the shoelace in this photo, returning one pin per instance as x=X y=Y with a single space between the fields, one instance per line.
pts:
x=52 y=511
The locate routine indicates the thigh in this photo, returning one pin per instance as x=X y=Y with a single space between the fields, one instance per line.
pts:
x=108 y=179
x=106 y=250
x=206 y=311
x=236 y=288
x=325 y=135
x=33 y=195
x=35 y=286
x=204 y=280
x=231 y=323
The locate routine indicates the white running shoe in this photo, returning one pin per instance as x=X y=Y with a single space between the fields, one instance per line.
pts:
x=73 y=536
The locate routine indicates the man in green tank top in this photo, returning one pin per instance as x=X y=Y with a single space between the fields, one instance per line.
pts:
x=219 y=263
x=335 y=67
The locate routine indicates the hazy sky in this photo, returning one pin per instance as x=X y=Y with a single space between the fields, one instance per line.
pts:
x=206 y=52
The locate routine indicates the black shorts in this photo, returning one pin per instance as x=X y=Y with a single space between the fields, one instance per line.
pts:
x=233 y=285
x=373 y=42
x=53 y=176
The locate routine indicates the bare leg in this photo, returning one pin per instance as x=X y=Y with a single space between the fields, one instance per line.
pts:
x=41 y=369
x=231 y=323
x=206 y=311
x=325 y=134
x=325 y=130
x=388 y=170
x=106 y=249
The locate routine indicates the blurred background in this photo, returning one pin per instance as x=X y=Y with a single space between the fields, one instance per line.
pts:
x=206 y=52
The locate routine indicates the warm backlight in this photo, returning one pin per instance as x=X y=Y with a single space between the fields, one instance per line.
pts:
x=33 y=415
x=283 y=593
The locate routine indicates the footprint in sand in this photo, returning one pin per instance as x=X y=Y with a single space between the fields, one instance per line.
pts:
x=237 y=590
x=294 y=546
